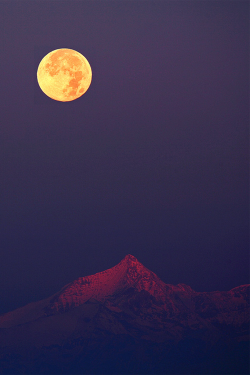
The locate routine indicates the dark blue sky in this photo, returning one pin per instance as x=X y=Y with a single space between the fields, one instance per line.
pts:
x=151 y=161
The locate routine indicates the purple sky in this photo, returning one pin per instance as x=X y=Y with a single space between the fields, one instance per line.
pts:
x=151 y=161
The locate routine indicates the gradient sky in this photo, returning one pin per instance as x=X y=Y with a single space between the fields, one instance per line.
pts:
x=151 y=161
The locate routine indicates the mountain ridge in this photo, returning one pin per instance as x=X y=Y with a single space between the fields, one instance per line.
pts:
x=128 y=273
x=116 y=317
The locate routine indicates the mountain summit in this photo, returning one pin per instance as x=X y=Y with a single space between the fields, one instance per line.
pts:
x=128 y=273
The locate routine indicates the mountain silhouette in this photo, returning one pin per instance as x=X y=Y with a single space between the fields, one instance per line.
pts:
x=126 y=320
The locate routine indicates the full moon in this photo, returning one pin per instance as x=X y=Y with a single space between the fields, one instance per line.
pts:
x=64 y=74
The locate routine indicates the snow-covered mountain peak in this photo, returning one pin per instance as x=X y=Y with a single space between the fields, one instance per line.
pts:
x=126 y=274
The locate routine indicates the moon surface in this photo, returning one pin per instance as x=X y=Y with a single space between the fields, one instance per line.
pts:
x=64 y=74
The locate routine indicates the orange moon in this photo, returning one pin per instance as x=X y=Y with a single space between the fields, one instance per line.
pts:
x=64 y=74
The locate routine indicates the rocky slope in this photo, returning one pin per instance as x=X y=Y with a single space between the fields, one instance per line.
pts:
x=126 y=320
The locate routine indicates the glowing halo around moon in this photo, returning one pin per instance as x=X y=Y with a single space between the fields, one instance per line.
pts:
x=64 y=74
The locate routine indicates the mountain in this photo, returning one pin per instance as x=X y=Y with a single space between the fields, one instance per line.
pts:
x=125 y=320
